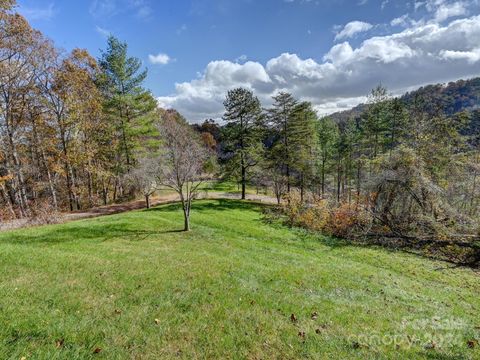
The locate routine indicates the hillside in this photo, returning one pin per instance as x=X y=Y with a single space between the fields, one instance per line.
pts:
x=451 y=98
x=131 y=286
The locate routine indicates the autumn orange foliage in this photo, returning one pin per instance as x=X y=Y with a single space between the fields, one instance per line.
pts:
x=343 y=220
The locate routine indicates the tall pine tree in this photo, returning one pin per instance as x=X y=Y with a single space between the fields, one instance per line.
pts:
x=280 y=116
x=243 y=132
x=129 y=105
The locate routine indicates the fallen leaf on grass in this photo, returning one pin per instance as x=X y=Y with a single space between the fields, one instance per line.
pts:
x=157 y=321
x=472 y=343
x=431 y=345
x=59 y=343
x=314 y=315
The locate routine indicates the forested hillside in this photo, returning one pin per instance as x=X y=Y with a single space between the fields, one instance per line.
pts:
x=451 y=98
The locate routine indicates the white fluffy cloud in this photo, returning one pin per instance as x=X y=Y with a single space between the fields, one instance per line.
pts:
x=471 y=57
x=400 y=21
x=353 y=28
x=426 y=53
x=445 y=11
x=160 y=59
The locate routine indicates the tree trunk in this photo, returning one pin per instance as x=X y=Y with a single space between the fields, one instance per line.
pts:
x=44 y=163
x=186 y=216
x=68 y=172
x=20 y=191
x=8 y=202
x=288 y=178
x=125 y=144
x=359 y=188
x=9 y=192
x=339 y=182
x=90 y=188
x=287 y=152
x=243 y=185
x=69 y=187
x=147 y=201
x=302 y=187
x=115 y=186
x=23 y=200
x=53 y=191
x=323 y=177
x=472 y=195
x=244 y=180
x=105 y=192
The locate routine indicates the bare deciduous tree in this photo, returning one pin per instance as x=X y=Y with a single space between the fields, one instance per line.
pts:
x=144 y=177
x=279 y=184
x=182 y=161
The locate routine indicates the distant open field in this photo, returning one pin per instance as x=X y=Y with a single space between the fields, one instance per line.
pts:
x=130 y=286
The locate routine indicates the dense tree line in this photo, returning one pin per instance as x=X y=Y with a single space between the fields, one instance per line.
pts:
x=72 y=127
x=392 y=169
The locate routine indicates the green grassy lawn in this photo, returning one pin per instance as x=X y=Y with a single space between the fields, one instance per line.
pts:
x=228 y=186
x=132 y=287
x=221 y=186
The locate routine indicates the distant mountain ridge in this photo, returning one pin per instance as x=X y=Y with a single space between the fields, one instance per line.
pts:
x=451 y=98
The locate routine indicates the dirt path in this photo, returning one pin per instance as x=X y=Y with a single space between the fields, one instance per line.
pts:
x=133 y=205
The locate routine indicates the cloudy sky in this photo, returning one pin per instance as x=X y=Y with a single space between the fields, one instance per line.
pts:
x=329 y=52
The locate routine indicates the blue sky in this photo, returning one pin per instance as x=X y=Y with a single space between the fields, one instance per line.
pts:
x=327 y=52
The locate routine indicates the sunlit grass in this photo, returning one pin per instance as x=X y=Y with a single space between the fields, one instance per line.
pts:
x=132 y=286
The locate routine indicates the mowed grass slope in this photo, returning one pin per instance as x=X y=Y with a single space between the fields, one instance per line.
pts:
x=130 y=286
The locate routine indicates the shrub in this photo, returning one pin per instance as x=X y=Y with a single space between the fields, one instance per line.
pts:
x=311 y=215
x=43 y=213
x=291 y=208
x=407 y=199
x=315 y=216
x=344 y=220
x=348 y=220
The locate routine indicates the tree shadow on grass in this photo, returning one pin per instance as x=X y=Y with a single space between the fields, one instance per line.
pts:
x=103 y=231
x=314 y=238
x=211 y=205
x=91 y=232
x=100 y=232
x=307 y=239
